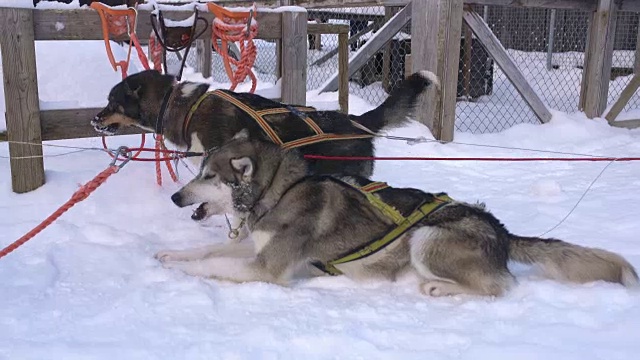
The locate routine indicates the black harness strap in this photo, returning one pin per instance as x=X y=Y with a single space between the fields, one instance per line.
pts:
x=163 y=110
x=186 y=36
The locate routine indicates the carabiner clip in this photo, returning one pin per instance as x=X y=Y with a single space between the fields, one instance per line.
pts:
x=249 y=20
x=124 y=151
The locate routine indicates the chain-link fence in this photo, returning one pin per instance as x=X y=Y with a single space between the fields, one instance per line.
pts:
x=265 y=65
x=555 y=76
x=486 y=99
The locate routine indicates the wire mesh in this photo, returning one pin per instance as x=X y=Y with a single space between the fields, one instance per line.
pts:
x=363 y=22
x=555 y=76
x=546 y=45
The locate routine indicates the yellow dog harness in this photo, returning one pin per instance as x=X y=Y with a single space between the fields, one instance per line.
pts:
x=403 y=224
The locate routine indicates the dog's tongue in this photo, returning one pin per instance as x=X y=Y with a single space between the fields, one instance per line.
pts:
x=199 y=213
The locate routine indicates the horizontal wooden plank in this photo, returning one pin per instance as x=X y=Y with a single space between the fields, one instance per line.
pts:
x=308 y=4
x=336 y=14
x=73 y=123
x=327 y=28
x=549 y=4
x=626 y=5
x=84 y=24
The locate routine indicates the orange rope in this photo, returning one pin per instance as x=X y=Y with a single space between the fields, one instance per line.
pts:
x=120 y=22
x=232 y=26
x=80 y=194
x=159 y=148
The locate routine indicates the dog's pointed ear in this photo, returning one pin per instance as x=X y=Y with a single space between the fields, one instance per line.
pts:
x=244 y=165
x=242 y=135
x=133 y=89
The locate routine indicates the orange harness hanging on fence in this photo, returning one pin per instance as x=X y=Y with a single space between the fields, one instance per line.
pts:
x=120 y=22
x=235 y=26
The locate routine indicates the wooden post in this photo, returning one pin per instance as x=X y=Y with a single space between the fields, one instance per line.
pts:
x=636 y=64
x=203 y=51
x=279 y=43
x=436 y=27
x=343 y=70
x=278 y=58
x=294 y=57
x=21 y=98
x=597 y=59
x=502 y=58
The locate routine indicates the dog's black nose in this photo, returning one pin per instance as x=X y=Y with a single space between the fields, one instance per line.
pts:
x=177 y=199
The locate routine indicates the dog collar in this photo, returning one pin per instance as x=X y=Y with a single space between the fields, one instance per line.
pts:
x=187 y=119
x=163 y=110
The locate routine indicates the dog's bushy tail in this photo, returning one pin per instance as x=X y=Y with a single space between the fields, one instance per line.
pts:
x=400 y=103
x=563 y=261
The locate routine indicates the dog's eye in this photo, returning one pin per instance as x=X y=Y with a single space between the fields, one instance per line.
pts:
x=209 y=176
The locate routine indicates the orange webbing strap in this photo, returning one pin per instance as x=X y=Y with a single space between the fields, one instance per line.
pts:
x=235 y=26
x=259 y=119
x=313 y=139
x=374 y=186
x=80 y=194
x=312 y=124
x=117 y=22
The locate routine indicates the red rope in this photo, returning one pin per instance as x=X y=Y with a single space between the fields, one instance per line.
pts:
x=82 y=193
x=402 y=158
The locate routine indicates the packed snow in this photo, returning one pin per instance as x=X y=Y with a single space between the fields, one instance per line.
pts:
x=88 y=286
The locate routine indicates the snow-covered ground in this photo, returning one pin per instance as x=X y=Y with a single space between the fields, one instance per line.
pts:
x=88 y=287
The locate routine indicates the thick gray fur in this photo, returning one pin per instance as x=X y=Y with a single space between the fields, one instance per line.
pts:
x=296 y=219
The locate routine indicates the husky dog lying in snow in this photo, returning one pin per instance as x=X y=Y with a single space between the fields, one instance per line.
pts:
x=296 y=219
x=197 y=119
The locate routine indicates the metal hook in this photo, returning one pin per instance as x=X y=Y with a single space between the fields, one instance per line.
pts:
x=124 y=151
x=249 y=20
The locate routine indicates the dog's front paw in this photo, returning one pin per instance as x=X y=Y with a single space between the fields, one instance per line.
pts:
x=193 y=268
x=435 y=288
x=166 y=255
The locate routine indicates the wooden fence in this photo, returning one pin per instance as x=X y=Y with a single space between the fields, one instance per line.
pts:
x=435 y=46
x=27 y=124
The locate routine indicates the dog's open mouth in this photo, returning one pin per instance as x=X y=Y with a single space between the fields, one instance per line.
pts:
x=110 y=129
x=200 y=213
